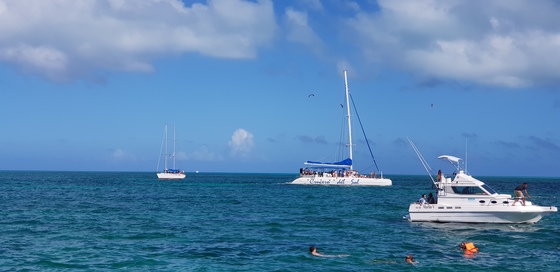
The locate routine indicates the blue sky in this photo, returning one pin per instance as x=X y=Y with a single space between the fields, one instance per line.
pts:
x=89 y=85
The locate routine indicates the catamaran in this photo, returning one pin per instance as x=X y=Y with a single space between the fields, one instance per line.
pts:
x=168 y=173
x=464 y=199
x=341 y=172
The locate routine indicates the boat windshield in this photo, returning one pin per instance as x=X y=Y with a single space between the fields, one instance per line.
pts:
x=468 y=190
x=488 y=189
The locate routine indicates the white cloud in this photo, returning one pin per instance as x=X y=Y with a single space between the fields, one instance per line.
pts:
x=313 y=4
x=121 y=155
x=298 y=29
x=203 y=154
x=501 y=43
x=49 y=61
x=62 y=40
x=241 y=142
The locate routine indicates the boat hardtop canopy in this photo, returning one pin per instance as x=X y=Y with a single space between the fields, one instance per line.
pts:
x=450 y=158
x=455 y=161
x=347 y=163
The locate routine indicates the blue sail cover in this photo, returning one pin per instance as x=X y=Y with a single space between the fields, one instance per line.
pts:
x=341 y=164
x=173 y=171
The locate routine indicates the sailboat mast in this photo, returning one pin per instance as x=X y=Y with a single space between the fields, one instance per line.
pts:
x=174 y=140
x=348 y=116
x=166 y=150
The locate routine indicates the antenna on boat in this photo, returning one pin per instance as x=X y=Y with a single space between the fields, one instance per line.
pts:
x=466 y=154
x=348 y=116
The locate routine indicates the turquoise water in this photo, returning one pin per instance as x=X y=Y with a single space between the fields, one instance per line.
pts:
x=251 y=222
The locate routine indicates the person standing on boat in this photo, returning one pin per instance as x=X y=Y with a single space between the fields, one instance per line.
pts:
x=431 y=199
x=422 y=200
x=519 y=193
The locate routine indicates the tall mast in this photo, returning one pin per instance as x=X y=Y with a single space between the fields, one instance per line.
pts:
x=174 y=140
x=166 y=150
x=348 y=116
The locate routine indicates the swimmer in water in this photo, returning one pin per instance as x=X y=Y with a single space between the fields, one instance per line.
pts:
x=409 y=259
x=313 y=251
x=469 y=248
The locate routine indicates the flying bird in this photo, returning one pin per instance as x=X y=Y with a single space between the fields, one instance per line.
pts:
x=342 y=106
x=310 y=95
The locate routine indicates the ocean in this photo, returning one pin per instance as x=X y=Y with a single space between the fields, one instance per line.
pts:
x=100 y=221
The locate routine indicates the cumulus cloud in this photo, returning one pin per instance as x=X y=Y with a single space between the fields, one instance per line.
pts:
x=312 y=4
x=507 y=144
x=500 y=43
x=309 y=140
x=547 y=144
x=469 y=136
x=204 y=154
x=299 y=31
x=121 y=155
x=241 y=143
x=400 y=142
x=65 y=40
x=305 y=139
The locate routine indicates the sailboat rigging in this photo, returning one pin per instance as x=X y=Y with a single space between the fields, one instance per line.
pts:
x=342 y=172
x=170 y=173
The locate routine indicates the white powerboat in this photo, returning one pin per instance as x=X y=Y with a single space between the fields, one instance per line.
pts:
x=464 y=199
x=340 y=173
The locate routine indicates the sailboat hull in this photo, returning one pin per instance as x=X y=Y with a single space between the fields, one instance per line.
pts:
x=171 y=175
x=313 y=180
x=340 y=172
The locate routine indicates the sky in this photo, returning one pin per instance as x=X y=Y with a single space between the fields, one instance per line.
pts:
x=89 y=85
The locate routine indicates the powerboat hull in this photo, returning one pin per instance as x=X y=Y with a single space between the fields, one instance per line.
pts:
x=505 y=214
x=342 y=181
x=462 y=198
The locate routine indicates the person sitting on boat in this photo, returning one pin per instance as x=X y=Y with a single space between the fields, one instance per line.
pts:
x=431 y=199
x=519 y=193
x=422 y=200
x=468 y=247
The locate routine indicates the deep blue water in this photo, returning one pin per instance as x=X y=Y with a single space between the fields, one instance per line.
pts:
x=251 y=222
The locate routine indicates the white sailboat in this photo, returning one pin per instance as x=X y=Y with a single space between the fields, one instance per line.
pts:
x=464 y=199
x=170 y=173
x=342 y=172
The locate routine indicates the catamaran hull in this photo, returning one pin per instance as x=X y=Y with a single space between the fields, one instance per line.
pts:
x=171 y=175
x=456 y=214
x=342 y=181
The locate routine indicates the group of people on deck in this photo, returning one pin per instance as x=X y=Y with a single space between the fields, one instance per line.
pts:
x=429 y=200
x=334 y=173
